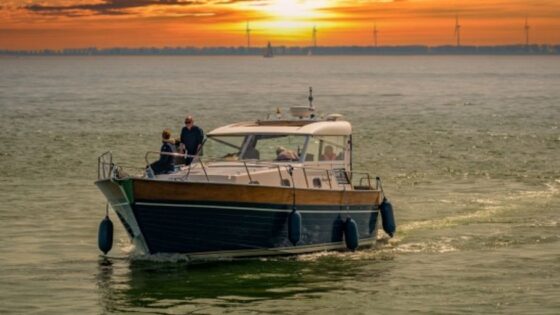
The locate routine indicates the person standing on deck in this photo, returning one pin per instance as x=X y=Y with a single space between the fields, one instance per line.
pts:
x=191 y=139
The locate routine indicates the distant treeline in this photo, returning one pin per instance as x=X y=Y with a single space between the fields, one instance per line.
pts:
x=298 y=51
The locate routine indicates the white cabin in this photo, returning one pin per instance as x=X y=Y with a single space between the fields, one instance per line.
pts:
x=263 y=152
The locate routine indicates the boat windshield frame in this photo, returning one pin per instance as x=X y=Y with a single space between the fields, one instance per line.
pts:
x=249 y=140
x=306 y=146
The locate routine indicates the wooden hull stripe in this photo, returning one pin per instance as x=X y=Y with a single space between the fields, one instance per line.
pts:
x=157 y=191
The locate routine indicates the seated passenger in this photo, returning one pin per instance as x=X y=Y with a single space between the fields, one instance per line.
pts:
x=165 y=163
x=328 y=154
x=283 y=154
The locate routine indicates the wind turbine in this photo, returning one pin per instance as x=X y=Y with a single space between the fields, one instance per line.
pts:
x=457 y=30
x=248 y=34
x=375 y=32
x=526 y=28
x=314 y=36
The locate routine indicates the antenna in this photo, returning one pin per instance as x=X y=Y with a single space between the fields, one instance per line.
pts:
x=375 y=32
x=314 y=36
x=526 y=28
x=457 y=30
x=248 y=33
x=310 y=98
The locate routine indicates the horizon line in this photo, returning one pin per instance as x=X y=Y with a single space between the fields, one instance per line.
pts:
x=311 y=47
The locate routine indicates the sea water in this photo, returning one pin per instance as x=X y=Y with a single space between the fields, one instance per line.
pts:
x=468 y=149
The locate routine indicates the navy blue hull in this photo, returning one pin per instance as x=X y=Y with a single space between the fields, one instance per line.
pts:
x=170 y=227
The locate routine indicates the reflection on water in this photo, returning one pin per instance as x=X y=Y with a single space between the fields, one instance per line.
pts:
x=165 y=286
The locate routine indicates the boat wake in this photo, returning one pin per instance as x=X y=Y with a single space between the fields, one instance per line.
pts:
x=490 y=210
x=386 y=248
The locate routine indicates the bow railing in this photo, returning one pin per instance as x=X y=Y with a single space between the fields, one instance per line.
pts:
x=338 y=177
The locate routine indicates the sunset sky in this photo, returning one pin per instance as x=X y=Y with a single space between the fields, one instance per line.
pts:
x=55 y=24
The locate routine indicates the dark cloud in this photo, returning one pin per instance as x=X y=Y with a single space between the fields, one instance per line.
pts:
x=107 y=7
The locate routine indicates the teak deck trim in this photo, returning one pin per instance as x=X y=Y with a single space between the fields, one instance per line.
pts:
x=146 y=190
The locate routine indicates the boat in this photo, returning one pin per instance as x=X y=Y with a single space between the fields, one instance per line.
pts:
x=268 y=53
x=277 y=186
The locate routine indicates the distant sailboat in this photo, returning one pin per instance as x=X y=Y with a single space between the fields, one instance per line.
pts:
x=268 y=52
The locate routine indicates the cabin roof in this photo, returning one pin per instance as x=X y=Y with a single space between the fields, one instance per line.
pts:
x=293 y=127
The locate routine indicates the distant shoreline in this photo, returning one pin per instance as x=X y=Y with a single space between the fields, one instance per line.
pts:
x=295 y=51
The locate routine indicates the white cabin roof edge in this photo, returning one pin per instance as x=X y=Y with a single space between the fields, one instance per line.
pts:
x=320 y=128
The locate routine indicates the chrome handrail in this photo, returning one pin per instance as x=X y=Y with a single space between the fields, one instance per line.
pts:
x=365 y=176
x=305 y=177
x=248 y=173
x=204 y=170
x=102 y=161
x=329 y=178
x=169 y=154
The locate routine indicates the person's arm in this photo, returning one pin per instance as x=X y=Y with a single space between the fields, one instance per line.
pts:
x=199 y=140
x=182 y=147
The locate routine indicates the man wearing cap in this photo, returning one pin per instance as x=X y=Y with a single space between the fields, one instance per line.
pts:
x=191 y=139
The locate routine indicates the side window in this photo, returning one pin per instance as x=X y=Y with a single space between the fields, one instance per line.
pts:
x=332 y=148
x=312 y=154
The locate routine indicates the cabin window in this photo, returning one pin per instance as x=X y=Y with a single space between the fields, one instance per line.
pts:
x=281 y=148
x=326 y=148
x=224 y=147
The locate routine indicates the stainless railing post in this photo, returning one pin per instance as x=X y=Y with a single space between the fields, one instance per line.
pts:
x=248 y=173
x=280 y=174
x=146 y=158
x=188 y=172
x=305 y=176
x=102 y=162
x=203 y=169
x=329 y=178
x=290 y=170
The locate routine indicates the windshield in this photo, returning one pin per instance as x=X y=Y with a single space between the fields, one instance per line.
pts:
x=224 y=148
x=280 y=148
x=275 y=147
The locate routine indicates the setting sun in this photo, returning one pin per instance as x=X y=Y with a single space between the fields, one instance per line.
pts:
x=296 y=9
